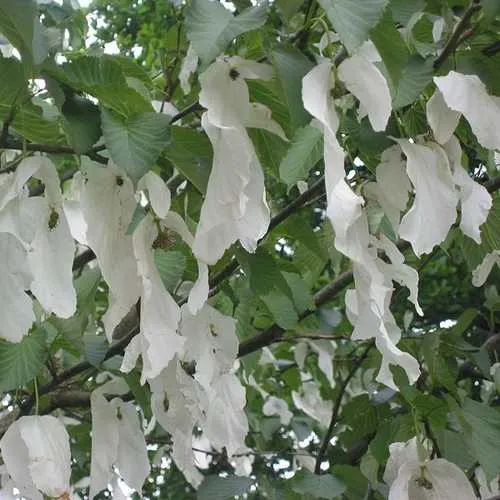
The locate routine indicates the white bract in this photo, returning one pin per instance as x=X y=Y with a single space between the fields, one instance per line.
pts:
x=189 y=65
x=117 y=439
x=158 y=340
x=482 y=271
x=235 y=205
x=36 y=453
x=434 y=208
x=393 y=185
x=442 y=120
x=107 y=203
x=211 y=342
x=365 y=81
x=42 y=257
x=467 y=95
x=367 y=305
x=475 y=201
x=411 y=477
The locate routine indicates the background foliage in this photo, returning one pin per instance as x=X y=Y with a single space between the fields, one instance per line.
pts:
x=70 y=99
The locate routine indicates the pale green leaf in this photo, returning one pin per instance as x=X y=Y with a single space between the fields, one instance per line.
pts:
x=353 y=20
x=223 y=488
x=20 y=363
x=171 y=266
x=483 y=434
x=19 y=23
x=391 y=47
x=94 y=348
x=82 y=123
x=291 y=66
x=314 y=486
x=191 y=153
x=135 y=143
x=211 y=26
x=415 y=77
x=304 y=152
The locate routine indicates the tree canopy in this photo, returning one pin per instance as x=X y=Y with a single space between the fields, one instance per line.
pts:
x=250 y=249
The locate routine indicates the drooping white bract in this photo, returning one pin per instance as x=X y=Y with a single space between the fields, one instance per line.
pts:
x=14 y=280
x=41 y=226
x=158 y=193
x=107 y=203
x=188 y=67
x=368 y=304
x=117 y=439
x=344 y=206
x=213 y=345
x=324 y=349
x=36 y=453
x=434 y=210
x=475 y=201
x=468 y=95
x=482 y=271
x=175 y=402
x=393 y=185
x=158 y=341
x=52 y=249
x=442 y=120
x=367 y=308
x=411 y=477
x=226 y=424
x=397 y=270
x=365 y=81
x=309 y=401
x=235 y=205
x=211 y=342
x=277 y=406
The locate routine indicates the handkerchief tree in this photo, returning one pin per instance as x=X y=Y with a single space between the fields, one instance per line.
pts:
x=250 y=248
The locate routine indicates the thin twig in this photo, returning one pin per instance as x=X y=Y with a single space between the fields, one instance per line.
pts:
x=336 y=406
x=456 y=37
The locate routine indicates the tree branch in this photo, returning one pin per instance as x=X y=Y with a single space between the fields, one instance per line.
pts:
x=275 y=333
x=456 y=37
x=336 y=406
x=54 y=149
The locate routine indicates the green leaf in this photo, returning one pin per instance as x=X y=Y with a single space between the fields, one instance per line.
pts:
x=322 y=486
x=270 y=150
x=82 y=123
x=305 y=151
x=268 y=283
x=302 y=297
x=30 y=123
x=291 y=66
x=416 y=75
x=191 y=153
x=94 y=348
x=139 y=214
x=353 y=20
x=13 y=85
x=135 y=143
x=210 y=26
x=482 y=435
x=20 y=363
x=19 y=23
x=104 y=78
x=361 y=415
x=474 y=62
x=171 y=266
x=223 y=488
x=391 y=47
